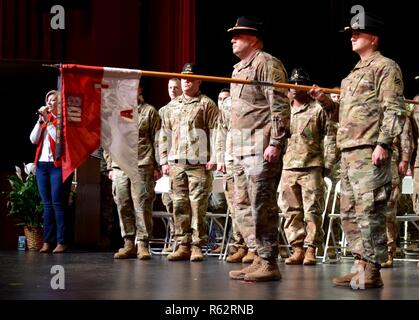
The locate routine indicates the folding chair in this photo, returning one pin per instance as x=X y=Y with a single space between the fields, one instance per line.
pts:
x=328 y=184
x=407 y=188
x=214 y=219
x=342 y=244
x=162 y=186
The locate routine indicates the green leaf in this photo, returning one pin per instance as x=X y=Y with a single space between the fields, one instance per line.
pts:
x=24 y=201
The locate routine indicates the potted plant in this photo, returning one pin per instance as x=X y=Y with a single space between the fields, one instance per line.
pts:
x=24 y=203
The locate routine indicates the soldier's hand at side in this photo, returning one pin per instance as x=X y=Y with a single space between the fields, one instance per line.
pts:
x=409 y=172
x=379 y=155
x=110 y=174
x=271 y=153
x=221 y=167
x=165 y=169
x=403 y=166
x=210 y=166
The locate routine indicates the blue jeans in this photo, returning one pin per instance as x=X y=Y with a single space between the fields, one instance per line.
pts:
x=54 y=194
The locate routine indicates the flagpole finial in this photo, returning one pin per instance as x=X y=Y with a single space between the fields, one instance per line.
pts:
x=51 y=65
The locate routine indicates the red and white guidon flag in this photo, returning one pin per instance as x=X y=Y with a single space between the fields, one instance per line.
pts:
x=100 y=108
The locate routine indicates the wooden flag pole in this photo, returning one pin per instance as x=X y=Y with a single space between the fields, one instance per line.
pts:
x=231 y=80
x=242 y=81
x=160 y=74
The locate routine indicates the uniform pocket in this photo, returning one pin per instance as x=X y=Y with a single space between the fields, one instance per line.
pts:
x=382 y=193
x=197 y=117
x=246 y=91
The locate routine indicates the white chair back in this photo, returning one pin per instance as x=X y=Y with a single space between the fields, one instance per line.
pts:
x=407 y=185
x=162 y=185
x=328 y=184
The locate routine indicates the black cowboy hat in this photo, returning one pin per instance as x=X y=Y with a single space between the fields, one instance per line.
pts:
x=190 y=68
x=372 y=24
x=249 y=25
x=300 y=76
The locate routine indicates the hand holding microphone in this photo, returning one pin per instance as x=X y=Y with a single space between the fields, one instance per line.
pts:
x=43 y=113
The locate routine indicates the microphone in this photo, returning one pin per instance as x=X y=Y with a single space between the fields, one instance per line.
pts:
x=39 y=113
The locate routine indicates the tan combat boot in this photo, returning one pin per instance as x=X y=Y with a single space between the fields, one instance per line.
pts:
x=168 y=249
x=268 y=271
x=232 y=250
x=216 y=249
x=345 y=280
x=373 y=276
x=143 y=253
x=128 y=251
x=250 y=256
x=389 y=262
x=331 y=253
x=237 y=256
x=283 y=253
x=196 y=254
x=310 y=256
x=239 y=274
x=297 y=256
x=183 y=252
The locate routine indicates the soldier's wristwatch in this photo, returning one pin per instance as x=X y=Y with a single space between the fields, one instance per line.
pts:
x=384 y=145
x=274 y=145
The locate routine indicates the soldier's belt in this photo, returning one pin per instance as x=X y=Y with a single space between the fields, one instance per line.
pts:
x=187 y=162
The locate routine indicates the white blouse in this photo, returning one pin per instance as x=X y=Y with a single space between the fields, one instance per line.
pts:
x=46 y=154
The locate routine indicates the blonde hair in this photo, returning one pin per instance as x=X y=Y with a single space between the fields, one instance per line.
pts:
x=54 y=92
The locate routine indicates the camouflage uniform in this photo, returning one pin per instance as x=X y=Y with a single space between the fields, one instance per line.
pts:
x=135 y=200
x=415 y=123
x=302 y=186
x=331 y=151
x=365 y=188
x=332 y=154
x=259 y=118
x=224 y=155
x=166 y=197
x=401 y=151
x=186 y=136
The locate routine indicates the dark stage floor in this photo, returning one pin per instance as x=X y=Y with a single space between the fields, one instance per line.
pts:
x=89 y=275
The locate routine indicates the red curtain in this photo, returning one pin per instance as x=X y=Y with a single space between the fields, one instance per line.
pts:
x=168 y=32
x=144 y=34
x=186 y=32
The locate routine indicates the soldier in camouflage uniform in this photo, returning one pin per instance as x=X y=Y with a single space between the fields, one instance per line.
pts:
x=174 y=90
x=402 y=150
x=259 y=127
x=301 y=196
x=186 y=136
x=225 y=164
x=331 y=151
x=332 y=155
x=415 y=125
x=371 y=115
x=134 y=200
